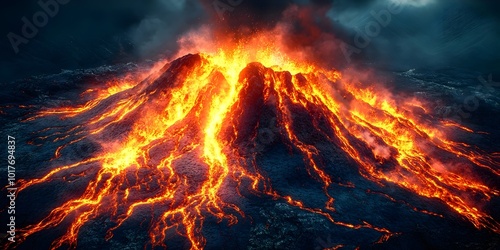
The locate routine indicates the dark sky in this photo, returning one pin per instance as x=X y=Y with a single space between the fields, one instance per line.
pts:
x=425 y=33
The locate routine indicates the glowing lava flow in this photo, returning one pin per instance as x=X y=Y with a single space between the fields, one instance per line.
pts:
x=173 y=143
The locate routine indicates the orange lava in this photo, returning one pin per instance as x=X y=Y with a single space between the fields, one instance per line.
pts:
x=180 y=153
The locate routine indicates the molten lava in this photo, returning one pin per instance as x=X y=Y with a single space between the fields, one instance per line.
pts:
x=180 y=142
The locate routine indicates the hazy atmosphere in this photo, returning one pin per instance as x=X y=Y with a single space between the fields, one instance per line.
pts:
x=83 y=34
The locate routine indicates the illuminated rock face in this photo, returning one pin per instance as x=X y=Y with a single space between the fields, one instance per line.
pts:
x=189 y=146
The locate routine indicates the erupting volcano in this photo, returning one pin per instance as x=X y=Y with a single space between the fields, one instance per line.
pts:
x=182 y=144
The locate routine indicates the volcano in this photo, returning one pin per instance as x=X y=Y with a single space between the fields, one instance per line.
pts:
x=188 y=147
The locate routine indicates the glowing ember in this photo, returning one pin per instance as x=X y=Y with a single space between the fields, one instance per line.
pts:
x=199 y=108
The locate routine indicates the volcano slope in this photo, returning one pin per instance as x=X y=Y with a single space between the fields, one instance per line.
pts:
x=200 y=152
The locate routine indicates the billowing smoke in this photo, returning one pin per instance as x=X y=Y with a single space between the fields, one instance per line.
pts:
x=398 y=34
x=158 y=32
x=339 y=33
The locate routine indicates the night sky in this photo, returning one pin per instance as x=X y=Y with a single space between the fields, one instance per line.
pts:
x=424 y=33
